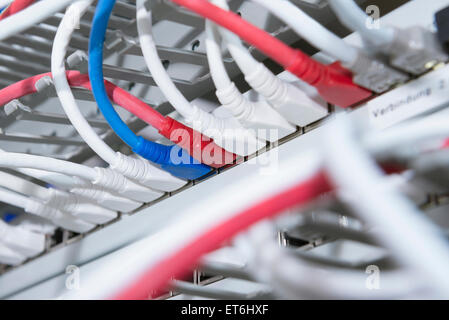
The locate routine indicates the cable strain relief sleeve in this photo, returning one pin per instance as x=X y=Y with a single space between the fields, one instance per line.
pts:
x=44 y=211
x=62 y=200
x=181 y=165
x=154 y=152
x=94 y=193
x=307 y=69
x=3 y=229
x=185 y=137
x=81 y=183
x=213 y=127
x=198 y=145
x=266 y=83
x=133 y=168
x=110 y=179
x=232 y=99
x=333 y=82
x=206 y=123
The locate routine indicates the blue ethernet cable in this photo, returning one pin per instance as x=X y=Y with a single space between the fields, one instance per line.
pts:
x=154 y=152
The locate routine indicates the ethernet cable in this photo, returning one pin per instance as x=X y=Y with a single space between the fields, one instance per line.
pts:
x=182 y=261
x=26 y=243
x=256 y=115
x=167 y=157
x=155 y=267
x=397 y=140
x=83 y=189
x=30 y=16
x=414 y=50
x=182 y=135
x=203 y=228
x=228 y=134
x=103 y=197
x=445 y=144
x=157 y=276
x=175 y=159
x=14 y=7
x=289 y=100
x=369 y=72
x=294 y=279
x=34 y=224
x=355 y=19
x=104 y=178
x=58 y=199
x=60 y=181
x=135 y=169
x=10 y=257
x=38 y=208
x=361 y=185
x=308 y=28
x=334 y=83
x=5 y=3
x=199 y=146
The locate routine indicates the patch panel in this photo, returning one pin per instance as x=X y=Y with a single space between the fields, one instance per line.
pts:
x=336 y=240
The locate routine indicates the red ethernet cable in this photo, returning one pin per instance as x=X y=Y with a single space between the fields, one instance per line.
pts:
x=16 y=6
x=156 y=279
x=445 y=144
x=178 y=264
x=187 y=138
x=333 y=82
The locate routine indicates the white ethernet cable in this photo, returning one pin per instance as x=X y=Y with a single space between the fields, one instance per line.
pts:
x=133 y=168
x=353 y=17
x=251 y=114
x=408 y=138
x=59 y=180
x=5 y=3
x=38 y=208
x=413 y=49
x=82 y=188
x=228 y=133
x=122 y=266
x=296 y=279
x=10 y=257
x=402 y=227
x=58 y=199
x=35 y=224
x=30 y=16
x=311 y=30
x=368 y=72
x=286 y=98
x=107 y=179
x=24 y=242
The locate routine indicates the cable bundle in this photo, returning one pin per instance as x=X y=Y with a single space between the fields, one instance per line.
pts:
x=349 y=164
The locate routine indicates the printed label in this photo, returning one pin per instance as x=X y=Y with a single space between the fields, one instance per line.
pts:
x=422 y=95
